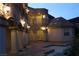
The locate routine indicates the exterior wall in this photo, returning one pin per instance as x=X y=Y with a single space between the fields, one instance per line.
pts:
x=57 y=35
x=41 y=35
x=25 y=39
x=20 y=39
x=35 y=17
x=69 y=37
x=36 y=21
x=37 y=36
x=14 y=41
x=32 y=36
x=8 y=41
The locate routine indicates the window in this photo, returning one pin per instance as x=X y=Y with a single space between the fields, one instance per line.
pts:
x=66 y=33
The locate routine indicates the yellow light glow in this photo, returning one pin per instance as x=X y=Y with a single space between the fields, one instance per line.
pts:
x=28 y=26
x=6 y=9
x=27 y=10
x=7 y=12
x=22 y=22
x=1 y=9
x=43 y=28
x=44 y=16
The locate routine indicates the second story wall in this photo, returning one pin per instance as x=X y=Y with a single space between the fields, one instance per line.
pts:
x=37 y=17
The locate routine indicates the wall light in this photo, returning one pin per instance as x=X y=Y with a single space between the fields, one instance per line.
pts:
x=27 y=10
x=28 y=26
x=43 y=28
x=44 y=16
x=6 y=9
x=22 y=22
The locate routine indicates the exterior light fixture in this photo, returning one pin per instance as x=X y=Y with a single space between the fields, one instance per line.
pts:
x=1 y=8
x=6 y=9
x=27 y=10
x=44 y=16
x=43 y=28
x=28 y=26
x=22 y=22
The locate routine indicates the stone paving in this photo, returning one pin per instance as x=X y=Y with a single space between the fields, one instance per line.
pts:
x=39 y=49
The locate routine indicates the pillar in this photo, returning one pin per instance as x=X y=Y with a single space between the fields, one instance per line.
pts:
x=13 y=41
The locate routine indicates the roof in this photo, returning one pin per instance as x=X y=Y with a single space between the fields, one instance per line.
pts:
x=60 y=22
x=36 y=10
x=74 y=20
x=50 y=18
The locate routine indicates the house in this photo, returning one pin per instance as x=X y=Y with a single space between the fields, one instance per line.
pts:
x=60 y=31
x=21 y=25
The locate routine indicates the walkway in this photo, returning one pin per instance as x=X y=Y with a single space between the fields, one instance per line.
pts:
x=42 y=49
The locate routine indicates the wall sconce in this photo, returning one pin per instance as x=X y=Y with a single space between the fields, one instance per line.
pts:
x=43 y=28
x=7 y=8
x=1 y=9
x=22 y=22
x=28 y=26
x=44 y=16
x=7 y=11
x=27 y=10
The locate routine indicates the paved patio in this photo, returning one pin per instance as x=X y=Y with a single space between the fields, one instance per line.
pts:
x=41 y=49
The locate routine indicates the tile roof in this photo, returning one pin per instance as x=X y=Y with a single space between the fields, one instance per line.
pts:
x=60 y=22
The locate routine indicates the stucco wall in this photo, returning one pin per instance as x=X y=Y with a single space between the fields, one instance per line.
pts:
x=39 y=35
x=13 y=41
x=57 y=34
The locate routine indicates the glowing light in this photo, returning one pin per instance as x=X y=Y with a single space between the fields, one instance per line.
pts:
x=7 y=12
x=43 y=28
x=27 y=10
x=28 y=26
x=44 y=16
x=6 y=9
x=1 y=9
x=22 y=22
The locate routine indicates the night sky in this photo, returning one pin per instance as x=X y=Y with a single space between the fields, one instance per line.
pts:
x=66 y=10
